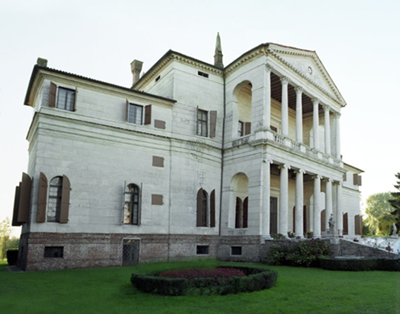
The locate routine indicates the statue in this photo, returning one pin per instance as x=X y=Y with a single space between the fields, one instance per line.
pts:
x=331 y=225
x=394 y=233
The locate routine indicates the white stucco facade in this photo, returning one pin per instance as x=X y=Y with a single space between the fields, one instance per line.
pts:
x=197 y=178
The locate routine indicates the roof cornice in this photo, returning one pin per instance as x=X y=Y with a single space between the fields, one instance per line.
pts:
x=39 y=71
x=166 y=59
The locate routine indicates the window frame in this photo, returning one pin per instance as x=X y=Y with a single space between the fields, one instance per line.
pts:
x=62 y=207
x=135 y=107
x=202 y=124
x=240 y=128
x=69 y=101
x=132 y=207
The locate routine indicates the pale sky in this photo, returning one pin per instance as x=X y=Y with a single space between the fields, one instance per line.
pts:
x=358 y=41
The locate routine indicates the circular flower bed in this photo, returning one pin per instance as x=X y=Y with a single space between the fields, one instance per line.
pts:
x=221 y=280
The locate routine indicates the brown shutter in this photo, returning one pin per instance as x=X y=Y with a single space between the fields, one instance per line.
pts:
x=245 y=212
x=52 y=94
x=16 y=206
x=147 y=114
x=127 y=111
x=355 y=179
x=345 y=224
x=213 y=123
x=66 y=188
x=75 y=98
x=357 y=224
x=247 y=128
x=323 y=216
x=42 y=200
x=212 y=209
x=199 y=207
x=24 y=198
x=359 y=181
x=197 y=120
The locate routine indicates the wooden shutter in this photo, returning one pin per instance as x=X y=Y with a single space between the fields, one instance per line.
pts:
x=247 y=128
x=127 y=111
x=16 y=206
x=345 y=224
x=323 y=216
x=213 y=123
x=24 y=198
x=52 y=94
x=355 y=179
x=359 y=180
x=147 y=114
x=197 y=120
x=42 y=200
x=199 y=208
x=66 y=188
x=212 y=209
x=245 y=212
x=357 y=225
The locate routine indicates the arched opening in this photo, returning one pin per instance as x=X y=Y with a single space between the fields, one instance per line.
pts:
x=132 y=204
x=243 y=95
x=202 y=209
x=239 y=186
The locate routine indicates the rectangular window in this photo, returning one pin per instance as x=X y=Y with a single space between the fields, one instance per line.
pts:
x=66 y=99
x=236 y=250
x=202 y=74
x=135 y=114
x=202 y=250
x=54 y=251
x=275 y=129
x=240 y=128
x=202 y=122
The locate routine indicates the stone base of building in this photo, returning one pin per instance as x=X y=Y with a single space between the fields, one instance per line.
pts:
x=50 y=251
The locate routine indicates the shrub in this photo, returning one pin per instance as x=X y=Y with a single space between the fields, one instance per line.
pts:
x=303 y=253
x=12 y=256
x=203 y=273
x=253 y=279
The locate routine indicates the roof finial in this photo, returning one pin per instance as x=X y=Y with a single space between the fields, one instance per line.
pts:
x=218 y=53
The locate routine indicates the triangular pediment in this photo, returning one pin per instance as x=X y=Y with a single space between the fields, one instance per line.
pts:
x=308 y=65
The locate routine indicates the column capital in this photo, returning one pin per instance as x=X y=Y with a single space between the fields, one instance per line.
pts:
x=267 y=161
x=284 y=166
x=317 y=176
x=327 y=179
x=284 y=80
x=326 y=107
x=337 y=115
x=299 y=171
x=315 y=101
x=299 y=89
x=268 y=68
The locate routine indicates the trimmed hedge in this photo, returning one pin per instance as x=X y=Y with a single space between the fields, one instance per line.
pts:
x=362 y=264
x=256 y=279
x=12 y=256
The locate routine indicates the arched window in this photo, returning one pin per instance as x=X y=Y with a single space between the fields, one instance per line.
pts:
x=58 y=206
x=132 y=205
x=201 y=211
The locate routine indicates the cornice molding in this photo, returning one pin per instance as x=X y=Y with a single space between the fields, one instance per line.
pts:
x=262 y=51
x=174 y=56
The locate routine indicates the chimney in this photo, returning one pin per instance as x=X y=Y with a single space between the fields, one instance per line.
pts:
x=42 y=62
x=136 y=68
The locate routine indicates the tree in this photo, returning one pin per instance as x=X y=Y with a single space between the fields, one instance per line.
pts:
x=377 y=204
x=5 y=231
x=395 y=202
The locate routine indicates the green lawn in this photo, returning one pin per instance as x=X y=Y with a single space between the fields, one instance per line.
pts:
x=108 y=290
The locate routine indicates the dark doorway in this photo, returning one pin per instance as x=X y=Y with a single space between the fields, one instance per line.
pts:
x=130 y=252
x=273 y=216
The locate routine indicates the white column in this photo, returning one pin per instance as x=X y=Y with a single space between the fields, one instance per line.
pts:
x=316 y=123
x=339 y=213
x=267 y=97
x=328 y=203
x=337 y=118
x=285 y=109
x=266 y=177
x=299 y=115
x=283 y=200
x=317 y=207
x=299 y=203
x=327 y=130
